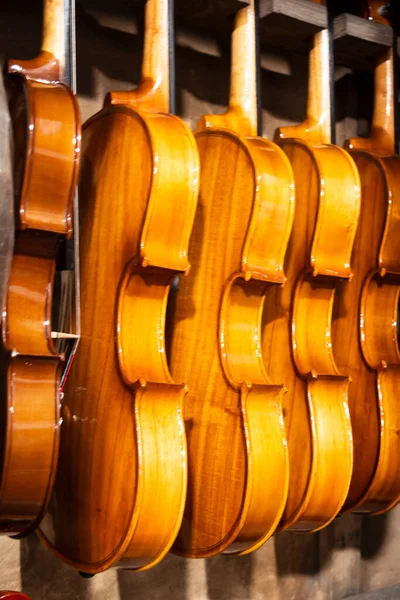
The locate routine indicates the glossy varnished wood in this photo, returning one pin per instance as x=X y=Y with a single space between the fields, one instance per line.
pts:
x=238 y=471
x=30 y=420
x=300 y=314
x=27 y=317
x=46 y=129
x=46 y=126
x=121 y=485
x=366 y=330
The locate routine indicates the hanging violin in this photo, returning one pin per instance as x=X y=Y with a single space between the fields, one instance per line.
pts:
x=121 y=482
x=46 y=127
x=316 y=410
x=237 y=458
x=365 y=331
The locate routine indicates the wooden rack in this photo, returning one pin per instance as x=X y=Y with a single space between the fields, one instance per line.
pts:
x=359 y=41
x=290 y=24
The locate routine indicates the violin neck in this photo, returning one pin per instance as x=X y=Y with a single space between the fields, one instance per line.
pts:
x=318 y=127
x=155 y=93
x=382 y=129
x=321 y=87
x=381 y=140
x=56 y=60
x=244 y=111
x=244 y=83
x=158 y=46
x=54 y=31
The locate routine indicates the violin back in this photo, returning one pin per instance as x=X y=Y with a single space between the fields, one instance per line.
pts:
x=120 y=388
x=372 y=340
x=215 y=346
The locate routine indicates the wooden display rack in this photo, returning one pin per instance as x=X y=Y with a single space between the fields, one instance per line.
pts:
x=357 y=41
x=290 y=24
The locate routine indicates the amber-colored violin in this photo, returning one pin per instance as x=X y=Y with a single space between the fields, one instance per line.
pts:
x=316 y=405
x=46 y=128
x=365 y=330
x=238 y=470
x=120 y=490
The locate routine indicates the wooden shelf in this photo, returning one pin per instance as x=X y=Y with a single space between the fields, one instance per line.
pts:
x=357 y=41
x=212 y=15
x=290 y=24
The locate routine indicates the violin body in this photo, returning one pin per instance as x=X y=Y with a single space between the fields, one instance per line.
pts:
x=365 y=331
x=299 y=316
x=238 y=468
x=121 y=484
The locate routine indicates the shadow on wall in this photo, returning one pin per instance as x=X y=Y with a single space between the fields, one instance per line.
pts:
x=175 y=578
x=230 y=578
x=219 y=578
x=374 y=531
x=103 y=46
x=166 y=581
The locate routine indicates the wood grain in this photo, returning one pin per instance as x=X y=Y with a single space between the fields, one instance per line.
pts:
x=46 y=124
x=238 y=469
x=381 y=137
x=374 y=422
x=121 y=485
x=316 y=128
x=366 y=331
x=46 y=128
x=49 y=65
x=359 y=42
x=29 y=388
x=290 y=24
x=327 y=210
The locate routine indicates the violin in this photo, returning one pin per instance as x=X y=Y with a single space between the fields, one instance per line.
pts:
x=121 y=482
x=315 y=407
x=237 y=456
x=366 y=331
x=46 y=128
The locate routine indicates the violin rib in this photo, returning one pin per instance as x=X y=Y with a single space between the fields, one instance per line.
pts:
x=29 y=445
